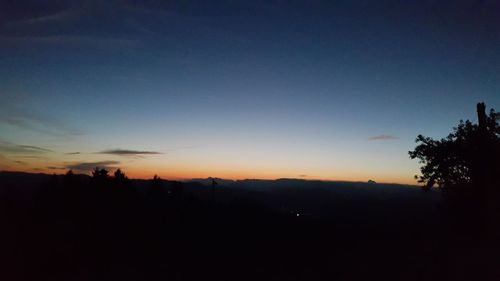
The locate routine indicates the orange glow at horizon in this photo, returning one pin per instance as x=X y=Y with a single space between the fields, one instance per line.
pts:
x=187 y=174
x=231 y=164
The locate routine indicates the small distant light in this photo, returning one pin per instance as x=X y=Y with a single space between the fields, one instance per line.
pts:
x=298 y=214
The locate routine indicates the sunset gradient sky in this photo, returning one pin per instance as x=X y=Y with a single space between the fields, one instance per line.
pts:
x=240 y=89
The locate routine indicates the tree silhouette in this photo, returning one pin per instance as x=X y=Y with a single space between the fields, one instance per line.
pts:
x=469 y=156
x=100 y=176
x=70 y=178
x=155 y=192
x=70 y=173
x=157 y=182
x=120 y=176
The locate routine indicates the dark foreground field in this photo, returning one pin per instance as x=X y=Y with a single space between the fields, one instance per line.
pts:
x=60 y=228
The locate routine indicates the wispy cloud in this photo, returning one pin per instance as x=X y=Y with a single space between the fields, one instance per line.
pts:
x=29 y=157
x=162 y=13
x=95 y=42
x=383 y=137
x=56 y=168
x=87 y=166
x=62 y=26
x=27 y=124
x=126 y=152
x=72 y=153
x=28 y=119
x=16 y=148
x=64 y=14
x=34 y=148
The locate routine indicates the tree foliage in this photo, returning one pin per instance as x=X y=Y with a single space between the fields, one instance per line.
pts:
x=469 y=156
x=100 y=173
x=120 y=176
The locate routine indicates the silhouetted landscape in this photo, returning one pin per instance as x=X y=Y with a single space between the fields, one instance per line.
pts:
x=65 y=227
x=249 y=140
x=109 y=227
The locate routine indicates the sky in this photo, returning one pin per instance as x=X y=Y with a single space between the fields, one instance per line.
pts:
x=332 y=90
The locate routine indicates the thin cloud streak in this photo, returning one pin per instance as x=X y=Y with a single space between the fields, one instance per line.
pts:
x=41 y=123
x=15 y=148
x=88 y=166
x=29 y=157
x=383 y=137
x=126 y=152
x=96 y=42
x=61 y=15
x=56 y=168
x=31 y=148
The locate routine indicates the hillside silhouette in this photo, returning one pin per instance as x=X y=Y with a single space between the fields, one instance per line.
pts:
x=78 y=227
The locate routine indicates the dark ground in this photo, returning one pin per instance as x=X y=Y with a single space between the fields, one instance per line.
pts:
x=57 y=228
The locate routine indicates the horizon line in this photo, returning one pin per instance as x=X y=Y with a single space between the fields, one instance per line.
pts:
x=224 y=179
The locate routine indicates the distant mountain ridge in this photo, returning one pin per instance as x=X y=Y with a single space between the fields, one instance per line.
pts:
x=10 y=176
x=288 y=181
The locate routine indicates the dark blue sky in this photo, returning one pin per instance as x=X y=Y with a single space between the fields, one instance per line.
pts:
x=326 y=89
